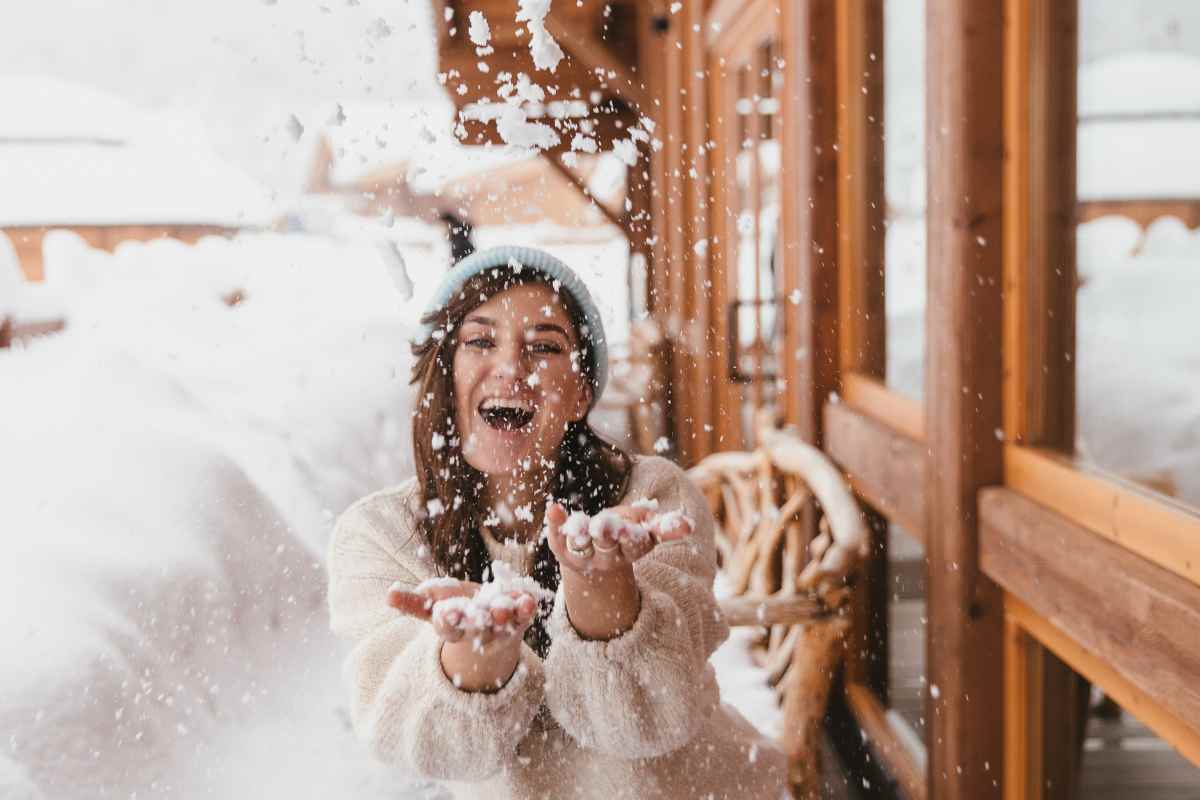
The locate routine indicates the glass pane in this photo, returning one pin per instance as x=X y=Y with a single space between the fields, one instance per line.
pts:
x=904 y=182
x=757 y=221
x=906 y=629
x=1138 y=353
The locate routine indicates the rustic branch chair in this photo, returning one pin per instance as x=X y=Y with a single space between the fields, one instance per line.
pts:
x=798 y=591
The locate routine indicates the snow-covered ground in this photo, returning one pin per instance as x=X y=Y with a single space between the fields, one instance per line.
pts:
x=171 y=466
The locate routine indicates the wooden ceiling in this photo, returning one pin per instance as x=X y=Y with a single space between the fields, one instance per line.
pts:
x=598 y=74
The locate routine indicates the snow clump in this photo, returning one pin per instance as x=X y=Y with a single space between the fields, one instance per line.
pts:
x=546 y=52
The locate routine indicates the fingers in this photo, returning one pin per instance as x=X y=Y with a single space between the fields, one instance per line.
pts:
x=498 y=619
x=673 y=526
x=410 y=603
x=613 y=537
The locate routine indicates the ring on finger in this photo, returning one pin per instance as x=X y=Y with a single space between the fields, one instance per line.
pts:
x=581 y=552
x=611 y=548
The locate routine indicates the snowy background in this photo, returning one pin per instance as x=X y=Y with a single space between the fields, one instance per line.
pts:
x=171 y=463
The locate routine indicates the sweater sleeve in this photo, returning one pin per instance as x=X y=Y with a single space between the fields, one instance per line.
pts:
x=403 y=706
x=647 y=691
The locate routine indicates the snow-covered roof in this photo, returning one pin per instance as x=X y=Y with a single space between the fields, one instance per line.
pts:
x=1139 y=121
x=72 y=155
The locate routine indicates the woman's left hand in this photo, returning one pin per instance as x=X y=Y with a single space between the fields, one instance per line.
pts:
x=597 y=557
x=614 y=539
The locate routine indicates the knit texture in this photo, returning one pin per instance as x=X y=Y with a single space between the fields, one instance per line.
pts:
x=540 y=261
x=638 y=716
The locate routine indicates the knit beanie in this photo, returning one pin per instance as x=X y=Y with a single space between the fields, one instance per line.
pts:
x=559 y=274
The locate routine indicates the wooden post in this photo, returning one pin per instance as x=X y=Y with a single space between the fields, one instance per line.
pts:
x=697 y=247
x=861 y=318
x=808 y=209
x=964 y=135
x=1040 y=68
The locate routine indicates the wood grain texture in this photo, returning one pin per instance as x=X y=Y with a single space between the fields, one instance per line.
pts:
x=808 y=217
x=861 y=201
x=885 y=467
x=1141 y=620
x=964 y=136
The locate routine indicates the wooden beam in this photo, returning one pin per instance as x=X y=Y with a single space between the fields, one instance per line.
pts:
x=599 y=60
x=1040 y=279
x=1162 y=532
x=581 y=186
x=876 y=400
x=965 y=42
x=696 y=203
x=885 y=468
x=1158 y=716
x=808 y=214
x=1136 y=617
x=899 y=761
x=727 y=396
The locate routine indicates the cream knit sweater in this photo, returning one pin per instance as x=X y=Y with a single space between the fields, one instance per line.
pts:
x=638 y=716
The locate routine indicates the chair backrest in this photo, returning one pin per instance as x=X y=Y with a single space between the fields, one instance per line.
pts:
x=791 y=537
x=773 y=539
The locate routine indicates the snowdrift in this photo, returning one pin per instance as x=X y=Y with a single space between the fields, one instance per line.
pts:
x=171 y=465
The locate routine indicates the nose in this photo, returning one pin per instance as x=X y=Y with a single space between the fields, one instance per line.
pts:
x=510 y=362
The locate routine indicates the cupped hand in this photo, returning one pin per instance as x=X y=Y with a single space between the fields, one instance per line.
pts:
x=613 y=539
x=457 y=615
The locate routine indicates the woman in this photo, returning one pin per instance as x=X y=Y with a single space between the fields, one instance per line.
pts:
x=610 y=695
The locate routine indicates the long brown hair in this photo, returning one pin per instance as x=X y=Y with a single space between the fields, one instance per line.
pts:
x=591 y=474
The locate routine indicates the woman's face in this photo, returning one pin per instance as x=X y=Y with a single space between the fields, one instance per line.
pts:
x=518 y=381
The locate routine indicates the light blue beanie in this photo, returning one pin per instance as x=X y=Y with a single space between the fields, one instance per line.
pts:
x=518 y=258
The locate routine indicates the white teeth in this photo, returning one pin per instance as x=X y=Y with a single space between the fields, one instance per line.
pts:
x=493 y=402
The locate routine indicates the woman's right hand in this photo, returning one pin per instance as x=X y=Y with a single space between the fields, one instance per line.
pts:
x=481 y=645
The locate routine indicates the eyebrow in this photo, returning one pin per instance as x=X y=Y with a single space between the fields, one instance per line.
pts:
x=543 y=327
x=481 y=320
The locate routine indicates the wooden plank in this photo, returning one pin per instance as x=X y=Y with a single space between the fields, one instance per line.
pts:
x=876 y=400
x=757 y=611
x=1023 y=749
x=726 y=395
x=964 y=119
x=1040 y=65
x=671 y=131
x=808 y=213
x=1139 y=619
x=885 y=467
x=899 y=761
x=697 y=248
x=1160 y=717
x=1155 y=528
x=861 y=202
x=1039 y=224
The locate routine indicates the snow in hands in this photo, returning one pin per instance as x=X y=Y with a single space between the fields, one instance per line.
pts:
x=609 y=527
x=472 y=614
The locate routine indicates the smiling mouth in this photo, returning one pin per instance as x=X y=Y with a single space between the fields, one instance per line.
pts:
x=506 y=415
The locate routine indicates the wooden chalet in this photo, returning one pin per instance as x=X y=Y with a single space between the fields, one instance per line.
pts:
x=758 y=204
x=73 y=158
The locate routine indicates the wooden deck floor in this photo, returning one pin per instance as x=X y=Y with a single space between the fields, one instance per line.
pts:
x=1123 y=760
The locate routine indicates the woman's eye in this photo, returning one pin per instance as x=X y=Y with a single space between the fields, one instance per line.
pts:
x=479 y=343
x=546 y=347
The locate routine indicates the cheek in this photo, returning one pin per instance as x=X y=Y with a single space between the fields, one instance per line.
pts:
x=561 y=388
x=462 y=390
